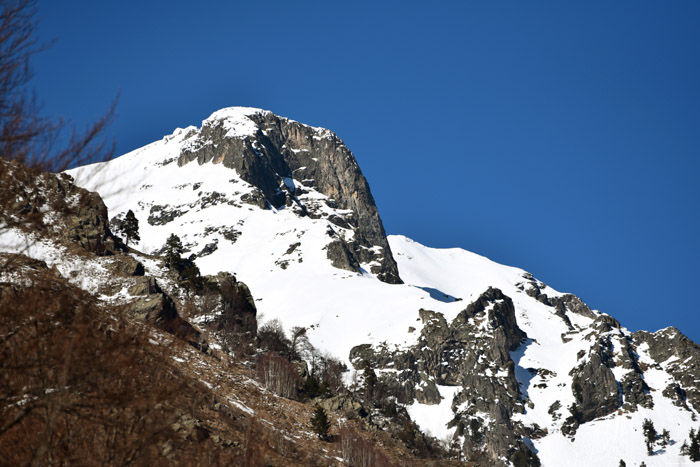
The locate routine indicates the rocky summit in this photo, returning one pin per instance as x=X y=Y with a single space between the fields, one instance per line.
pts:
x=262 y=253
x=271 y=163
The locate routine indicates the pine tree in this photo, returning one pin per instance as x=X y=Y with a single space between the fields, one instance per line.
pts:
x=130 y=227
x=191 y=275
x=370 y=380
x=622 y=463
x=649 y=435
x=694 y=448
x=320 y=423
x=299 y=341
x=311 y=387
x=665 y=437
x=685 y=450
x=173 y=250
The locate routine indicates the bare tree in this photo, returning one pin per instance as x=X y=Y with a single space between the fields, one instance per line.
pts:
x=278 y=375
x=27 y=137
x=357 y=451
x=79 y=384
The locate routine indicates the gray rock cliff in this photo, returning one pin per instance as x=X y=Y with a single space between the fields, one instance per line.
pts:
x=280 y=151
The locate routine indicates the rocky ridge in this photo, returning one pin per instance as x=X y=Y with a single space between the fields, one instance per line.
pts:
x=492 y=397
x=472 y=353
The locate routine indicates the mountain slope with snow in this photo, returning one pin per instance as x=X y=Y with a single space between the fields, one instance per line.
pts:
x=261 y=197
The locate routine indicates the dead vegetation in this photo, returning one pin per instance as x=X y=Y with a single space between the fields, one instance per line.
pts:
x=76 y=385
x=82 y=383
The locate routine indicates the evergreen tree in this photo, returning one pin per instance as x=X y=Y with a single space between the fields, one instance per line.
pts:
x=320 y=423
x=173 y=251
x=475 y=431
x=665 y=437
x=694 y=448
x=649 y=435
x=191 y=275
x=313 y=387
x=300 y=341
x=622 y=463
x=685 y=450
x=370 y=380
x=130 y=227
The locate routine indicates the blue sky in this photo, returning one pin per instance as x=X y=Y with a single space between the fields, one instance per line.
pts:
x=561 y=138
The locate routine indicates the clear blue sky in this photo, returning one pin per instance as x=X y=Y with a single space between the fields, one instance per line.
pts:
x=558 y=137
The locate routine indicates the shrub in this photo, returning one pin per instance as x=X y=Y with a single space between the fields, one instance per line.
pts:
x=271 y=338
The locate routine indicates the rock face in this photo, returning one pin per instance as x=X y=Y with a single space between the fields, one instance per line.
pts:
x=594 y=386
x=473 y=353
x=596 y=389
x=237 y=322
x=47 y=203
x=270 y=152
x=680 y=357
x=154 y=306
x=476 y=353
x=52 y=207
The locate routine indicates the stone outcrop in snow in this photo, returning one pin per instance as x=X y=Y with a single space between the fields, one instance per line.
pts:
x=48 y=217
x=472 y=353
x=52 y=204
x=270 y=152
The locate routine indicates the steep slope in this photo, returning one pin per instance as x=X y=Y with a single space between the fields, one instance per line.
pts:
x=482 y=354
x=97 y=367
x=584 y=383
x=240 y=157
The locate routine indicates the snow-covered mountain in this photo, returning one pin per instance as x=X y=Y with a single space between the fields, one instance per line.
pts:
x=480 y=353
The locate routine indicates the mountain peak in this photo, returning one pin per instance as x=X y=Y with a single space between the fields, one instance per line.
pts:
x=274 y=164
x=236 y=120
x=511 y=371
x=244 y=121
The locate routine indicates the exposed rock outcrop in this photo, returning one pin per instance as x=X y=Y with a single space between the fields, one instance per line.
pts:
x=596 y=389
x=471 y=352
x=279 y=150
x=52 y=207
x=594 y=386
x=237 y=323
x=680 y=357
x=46 y=203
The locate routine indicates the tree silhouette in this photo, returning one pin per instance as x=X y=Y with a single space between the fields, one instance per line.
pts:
x=173 y=251
x=130 y=227
x=320 y=423
x=370 y=381
x=694 y=448
x=649 y=435
x=26 y=136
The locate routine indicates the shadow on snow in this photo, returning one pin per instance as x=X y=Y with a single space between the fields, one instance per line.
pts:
x=438 y=295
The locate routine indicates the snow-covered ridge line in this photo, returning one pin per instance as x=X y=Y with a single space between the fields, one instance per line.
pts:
x=236 y=120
